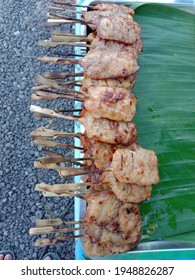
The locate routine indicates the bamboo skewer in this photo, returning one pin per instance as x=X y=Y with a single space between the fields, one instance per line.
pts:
x=65 y=10
x=60 y=159
x=68 y=171
x=50 y=83
x=61 y=75
x=53 y=44
x=58 y=37
x=62 y=33
x=48 y=95
x=49 y=230
x=67 y=193
x=48 y=113
x=53 y=144
x=53 y=241
x=43 y=132
x=77 y=20
x=58 y=60
x=56 y=222
x=61 y=188
x=70 y=4
x=66 y=54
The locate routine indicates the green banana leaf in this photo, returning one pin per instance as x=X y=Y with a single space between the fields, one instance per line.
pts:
x=165 y=87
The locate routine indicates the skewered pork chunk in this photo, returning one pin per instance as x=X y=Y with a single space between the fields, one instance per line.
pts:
x=102 y=208
x=105 y=210
x=96 y=249
x=109 y=131
x=116 y=229
x=124 y=191
x=113 y=26
x=101 y=153
x=109 y=64
x=116 y=104
x=107 y=238
x=136 y=48
x=127 y=83
x=135 y=167
x=113 y=7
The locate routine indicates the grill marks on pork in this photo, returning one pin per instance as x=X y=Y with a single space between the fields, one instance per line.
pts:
x=116 y=229
x=115 y=104
x=109 y=131
x=139 y=167
x=126 y=83
x=135 y=48
x=110 y=64
x=117 y=27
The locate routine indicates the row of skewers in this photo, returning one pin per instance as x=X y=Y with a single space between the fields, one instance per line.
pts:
x=117 y=172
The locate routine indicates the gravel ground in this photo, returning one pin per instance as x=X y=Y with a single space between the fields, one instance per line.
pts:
x=20 y=30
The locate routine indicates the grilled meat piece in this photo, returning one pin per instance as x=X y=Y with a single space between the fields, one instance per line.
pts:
x=109 y=64
x=96 y=249
x=116 y=104
x=115 y=26
x=138 y=167
x=113 y=7
x=116 y=229
x=105 y=210
x=127 y=83
x=102 y=208
x=101 y=153
x=124 y=192
x=109 y=131
x=136 y=48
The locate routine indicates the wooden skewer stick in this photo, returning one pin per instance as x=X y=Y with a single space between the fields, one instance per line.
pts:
x=61 y=75
x=54 y=155
x=67 y=193
x=48 y=95
x=69 y=93
x=53 y=144
x=60 y=159
x=43 y=132
x=77 y=20
x=57 y=22
x=68 y=171
x=53 y=241
x=54 y=44
x=58 y=60
x=56 y=222
x=66 y=54
x=48 y=113
x=65 y=33
x=70 y=193
x=65 y=10
x=68 y=38
x=70 y=4
x=60 y=188
x=49 y=230
x=53 y=84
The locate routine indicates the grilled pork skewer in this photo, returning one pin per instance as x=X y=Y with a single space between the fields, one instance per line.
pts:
x=108 y=222
x=135 y=167
x=56 y=80
x=102 y=102
x=116 y=104
x=96 y=43
x=87 y=82
x=100 y=7
x=101 y=64
x=109 y=25
x=103 y=130
x=99 y=44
